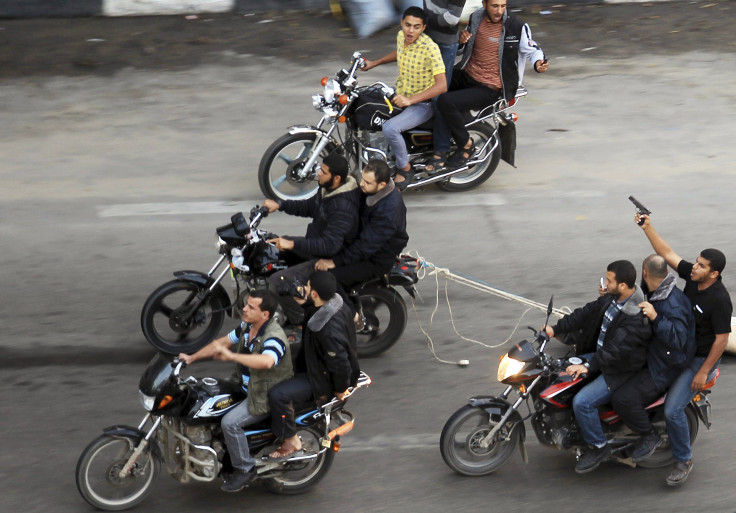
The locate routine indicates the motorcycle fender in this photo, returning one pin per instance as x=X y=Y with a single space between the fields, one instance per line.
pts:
x=498 y=406
x=702 y=410
x=304 y=129
x=203 y=280
x=132 y=432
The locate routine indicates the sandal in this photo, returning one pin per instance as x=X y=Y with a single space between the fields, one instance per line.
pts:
x=438 y=162
x=462 y=155
x=285 y=451
x=408 y=176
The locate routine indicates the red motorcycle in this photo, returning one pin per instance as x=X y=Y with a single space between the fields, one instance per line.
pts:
x=482 y=435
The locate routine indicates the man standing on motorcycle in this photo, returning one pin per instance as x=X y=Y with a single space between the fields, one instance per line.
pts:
x=494 y=48
x=613 y=338
x=671 y=350
x=421 y=78
x=712 y=309
x=382 y=231
x=327 y=363
x=263 y=360
x=335 y=216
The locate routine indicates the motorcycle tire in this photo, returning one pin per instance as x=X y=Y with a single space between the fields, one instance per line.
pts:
x=277 y=170
x=662 y=457
x=385 y=312
x=460 y=443
x=164 y=327
x=97 y=473
x=298 y=476
x=478 y=173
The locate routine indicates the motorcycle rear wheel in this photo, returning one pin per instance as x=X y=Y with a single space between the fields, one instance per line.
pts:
x=478 y=173
x=97 y=473
x=277 y=171
x=460 y=442
x=662 y=457
x=297 y=477
x=385 y=313
x=164 y=322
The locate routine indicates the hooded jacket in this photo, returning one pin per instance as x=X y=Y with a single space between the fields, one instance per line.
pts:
x=624 y=350
x=335 y=218
x=328 y=353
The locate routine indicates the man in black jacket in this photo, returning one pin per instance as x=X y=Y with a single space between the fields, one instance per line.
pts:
x=382 y=231
x=327 y=363
x=614 y=334
x=335 y=219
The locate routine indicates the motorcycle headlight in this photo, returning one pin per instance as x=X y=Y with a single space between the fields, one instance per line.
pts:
x=317 y=101
x=146 y=400
x=332 y=90
x=508 y=367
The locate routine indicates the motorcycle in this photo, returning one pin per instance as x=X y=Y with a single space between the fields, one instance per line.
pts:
x=288 y=168
x=118 y=469
x=482 y=435
x=185 y=314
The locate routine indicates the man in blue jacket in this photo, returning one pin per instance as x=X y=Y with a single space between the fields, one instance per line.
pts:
x=335 y=221
x=671 y=350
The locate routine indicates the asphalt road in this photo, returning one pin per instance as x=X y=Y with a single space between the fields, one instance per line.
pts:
x=111 y=181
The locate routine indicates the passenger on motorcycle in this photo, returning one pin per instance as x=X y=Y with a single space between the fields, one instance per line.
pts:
x=613 y=335
x=327 y=363
x=382 y=233
x=263 y=360
x=485 y=74
x=421 y=78
x=335 y=218
x=671 y=350
x=712 y=310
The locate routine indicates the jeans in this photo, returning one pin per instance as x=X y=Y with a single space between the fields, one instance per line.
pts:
x=440 y=130
x=585 y=404
x=678 y=397
x=412 y=116
x=237 y=443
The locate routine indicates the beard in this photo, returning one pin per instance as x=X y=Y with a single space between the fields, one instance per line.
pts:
x=644 y=287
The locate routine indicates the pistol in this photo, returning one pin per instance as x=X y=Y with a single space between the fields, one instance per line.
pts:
x=641 y=209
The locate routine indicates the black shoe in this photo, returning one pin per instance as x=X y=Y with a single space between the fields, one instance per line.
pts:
x=679 y=473
x=645 y=446
x=238 y=480
x=408 y=177
x=593 y=457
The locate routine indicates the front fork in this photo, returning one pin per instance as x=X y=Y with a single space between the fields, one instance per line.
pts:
x=325 y=138
x=142 y=445
x=488 y=439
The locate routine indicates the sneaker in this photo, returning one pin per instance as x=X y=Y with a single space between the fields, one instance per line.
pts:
x=592 y=457
x=645 y=446
x=238 y=480
x=680 y=471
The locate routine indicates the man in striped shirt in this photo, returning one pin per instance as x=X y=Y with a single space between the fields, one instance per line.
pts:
x=495 y=48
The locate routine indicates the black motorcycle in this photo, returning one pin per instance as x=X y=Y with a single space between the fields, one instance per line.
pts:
x=185 y=314
x=351 y=122
x=118 y=469
x=482 y=435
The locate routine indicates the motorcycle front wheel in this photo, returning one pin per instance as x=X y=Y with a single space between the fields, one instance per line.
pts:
x=662 y=457
x=168 y=324
x=298 y=476
x=385 y=320
x=278 y=172
x=479 y=173
x=461 y=437
x=98 y=473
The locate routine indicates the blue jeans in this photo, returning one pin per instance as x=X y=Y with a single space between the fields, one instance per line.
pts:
x=678 y=397
x=412 y=116
x=237 y=443
x=585 y=404
x=441 y=132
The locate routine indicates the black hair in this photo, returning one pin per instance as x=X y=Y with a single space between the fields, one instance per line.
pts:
x=416 y=12
x=324 y=284
x=716 y=258
x=269 y=301
x=338 y=165
x=379 y=168
x=624 y=271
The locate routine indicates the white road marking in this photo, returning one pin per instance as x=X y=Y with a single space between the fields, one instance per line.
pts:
x=391 y=443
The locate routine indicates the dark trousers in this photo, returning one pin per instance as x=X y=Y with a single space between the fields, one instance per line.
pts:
x=465 y=94
x=631 y=399
x=353 y=274
x=284 y=399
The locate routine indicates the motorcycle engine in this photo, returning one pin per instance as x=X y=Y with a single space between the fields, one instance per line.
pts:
x=375 y=144
x=185 y=459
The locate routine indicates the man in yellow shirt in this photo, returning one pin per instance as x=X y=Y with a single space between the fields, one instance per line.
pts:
x=421 y=78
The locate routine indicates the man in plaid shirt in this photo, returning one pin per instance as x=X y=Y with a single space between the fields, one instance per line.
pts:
x=421 y=78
